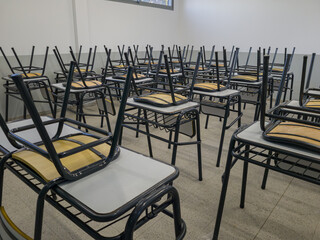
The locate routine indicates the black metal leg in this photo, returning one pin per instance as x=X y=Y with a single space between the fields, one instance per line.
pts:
x=175 y=141
x=120 y=135
x=223 y=190
x=39 y=210
x=138 y=122
x=101 y=122
x=199 y=147
x=55 y=98
x=148 y=133
x=239 y=111
x=105 y=110
x=291 y=89
x=207 y=122
x=244 y=179
x=173 y=199
x=7 y=101
x=266 y=172
x=170 y=139
x=225 y=119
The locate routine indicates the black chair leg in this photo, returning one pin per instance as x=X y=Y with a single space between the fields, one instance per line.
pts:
x=148 y=133
x=266 y=172
x=199 y=147
x=244 y=179
x=223 y=190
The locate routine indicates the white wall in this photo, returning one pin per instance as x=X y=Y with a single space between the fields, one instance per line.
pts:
x=113 y=23
x=35 y=22
x=245 y=23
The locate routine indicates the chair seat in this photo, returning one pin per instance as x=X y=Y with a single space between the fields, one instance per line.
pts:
x=171 y=71
x=45 y=167
x=135 y=76
x=208 y=87
x=81 y=70
x=295 y=133
x=31 y=75
x=161 y=99
x=200 y=68
x=248 y=78
x=277 y=69
x=313 y=103
x=88 y=84
x=219 y=65
x=120 y=66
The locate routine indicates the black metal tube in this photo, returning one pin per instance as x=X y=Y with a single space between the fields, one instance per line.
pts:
x=303 y=79
x=264 y=90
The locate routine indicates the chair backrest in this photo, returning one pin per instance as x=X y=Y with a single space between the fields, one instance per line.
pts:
x=283 y=79
x=310 y=70
x=248 y=58
x=233 y=66
x=305 y=85
x=303 y=79
x=211 y=57
x=231 y=55
x=274 y=59
x=265 y=80
x=108 y=53
x=50 y=151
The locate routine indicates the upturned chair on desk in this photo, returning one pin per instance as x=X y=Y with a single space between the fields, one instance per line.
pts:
x=52 y=156
x=168 y=107
x=86 y=87
x=287 y=144
x=217 y=99
x=32 y=75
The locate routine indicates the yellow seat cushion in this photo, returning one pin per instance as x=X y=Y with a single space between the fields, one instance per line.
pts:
x=296 y=132
x=313 y=103
x=249 y=78
x=175 y=61
x=219 y=65
x=200 y=68
x=120 y=66
x=89 y=83
x=277 y=69
x=171 y=71
x=135 y=76
x=31 y=75
x=81 y=70
x=46 y=169
x=209 y=87
x=161 y=99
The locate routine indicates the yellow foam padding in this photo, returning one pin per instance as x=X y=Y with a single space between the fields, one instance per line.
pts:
x=30 y=75
x=120 y=66
x=277 y=69
x=245 y=77
x=81 y=70
x=313 y=103
x=9 y=221
x=208 y=86
x=138 y=75
x=80 y=84
x=219 y=65
x=175 y=61
x=171 y=71
x=297 y=131
x=200 y=68
x=147 y=62
x=162 y=98
x=46 y=169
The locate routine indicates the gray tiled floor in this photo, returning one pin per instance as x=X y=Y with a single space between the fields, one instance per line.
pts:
x=287 y=209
